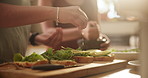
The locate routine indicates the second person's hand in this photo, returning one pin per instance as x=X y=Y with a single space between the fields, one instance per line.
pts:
x=52 y=39
x=91 y=32
x=106 y=44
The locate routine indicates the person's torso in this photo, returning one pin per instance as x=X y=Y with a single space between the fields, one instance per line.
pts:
x=15 y=39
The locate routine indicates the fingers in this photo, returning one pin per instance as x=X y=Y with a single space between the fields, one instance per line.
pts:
x=49 y=41
x=59 y=37
x=53 y=39
x=73 y=15
x=83 y=14
x=107 y=39
x=80 y=23
x=83 y=19
x=104 y=46
x=102 y=49
x=92 y=23
x=56 y=38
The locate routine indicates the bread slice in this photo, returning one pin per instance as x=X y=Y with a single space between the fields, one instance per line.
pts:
x=63 y=62
x=30 y=64
x=110 y=57
x=84 y=59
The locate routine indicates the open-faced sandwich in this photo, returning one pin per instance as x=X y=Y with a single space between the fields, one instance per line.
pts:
x=88 y=56
x=65 y=56
x=82 y=56
x=61 y=57
x=29 y=61
x=101 y=55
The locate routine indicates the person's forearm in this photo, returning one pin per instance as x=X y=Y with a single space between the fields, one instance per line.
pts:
x=47 y=25
x=45 y=2
x=12 y=16
x=68 y=34
x=71 y=34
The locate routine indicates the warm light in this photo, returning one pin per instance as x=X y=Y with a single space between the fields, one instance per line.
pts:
x=112 y=13
x=107 y=6
x=102 y=6
x=98 y=51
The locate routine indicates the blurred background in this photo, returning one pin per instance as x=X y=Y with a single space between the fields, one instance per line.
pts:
x=118 y=19
x=121 y=27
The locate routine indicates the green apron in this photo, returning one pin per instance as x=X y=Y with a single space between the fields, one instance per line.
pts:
x=14 y=40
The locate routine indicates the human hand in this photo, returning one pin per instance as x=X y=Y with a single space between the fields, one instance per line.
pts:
x=73 y=15
x=52 y=38
x=91 y=32
x=105 y=42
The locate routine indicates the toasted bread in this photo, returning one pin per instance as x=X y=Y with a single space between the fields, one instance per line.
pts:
x=110 y=57
x=30 y=64
x=63 y=62
x=84 y=59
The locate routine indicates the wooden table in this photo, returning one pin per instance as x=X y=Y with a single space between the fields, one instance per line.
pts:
x=75 y=72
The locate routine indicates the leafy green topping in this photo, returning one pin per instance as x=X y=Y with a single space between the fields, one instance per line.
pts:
x=66 y=48
x=18 y=57
x=82 y=54
x=33 y=57
x=127 y=50
x=48 y=54
x=63 y=54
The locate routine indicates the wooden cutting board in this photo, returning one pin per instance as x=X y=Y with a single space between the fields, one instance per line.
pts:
x=9 y=71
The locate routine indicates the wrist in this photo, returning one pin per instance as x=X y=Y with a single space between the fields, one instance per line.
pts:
x=38 y=40
x=51 y=13
x=32 y=38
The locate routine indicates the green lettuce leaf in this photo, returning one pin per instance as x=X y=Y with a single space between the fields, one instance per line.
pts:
x=34 y=57
x=18 y=57
x=48 y=54
x=62 y=54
